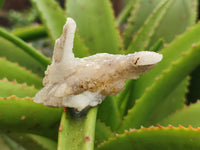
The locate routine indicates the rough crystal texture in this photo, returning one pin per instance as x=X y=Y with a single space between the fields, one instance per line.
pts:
x=80 y=83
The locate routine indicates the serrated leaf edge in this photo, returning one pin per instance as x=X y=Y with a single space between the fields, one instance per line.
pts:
x=15 y=97
x=173 y=64
x=23 y=68
x=14 y=82
x=158 y=127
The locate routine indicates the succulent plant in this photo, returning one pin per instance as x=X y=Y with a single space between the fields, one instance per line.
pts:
x=151 y=113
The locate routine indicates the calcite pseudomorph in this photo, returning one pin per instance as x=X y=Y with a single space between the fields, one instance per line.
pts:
x=85 y=82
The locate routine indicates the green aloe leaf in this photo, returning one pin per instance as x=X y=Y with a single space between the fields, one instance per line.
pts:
x=30 y=33
x=109 y=106
x=25 y=47
x=144 y=110
x=95 y=21
x=126 y=11
x=8 y=88
x=138 y=15
x=3 y=144
x=125 y=97
x=102 y=132
x=176 y=20
x=142 y=38
x=53 y=18
x=152 y=138
x=16 y=54
x=189 y=115
x=77 y=130
x=13 y=71
x=44 y=142
x=32 y=142
x=173 y=101
x=27 y=116
x=11 y=143
x=157 y=46
x=172 y=52
x=173 y=23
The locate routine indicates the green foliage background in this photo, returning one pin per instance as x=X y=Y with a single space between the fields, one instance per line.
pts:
x=151 y=113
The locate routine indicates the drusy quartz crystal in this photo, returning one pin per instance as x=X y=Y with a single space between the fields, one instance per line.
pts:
x=85 y=82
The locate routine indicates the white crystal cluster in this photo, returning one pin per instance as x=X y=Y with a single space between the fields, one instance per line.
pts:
x=83 y=82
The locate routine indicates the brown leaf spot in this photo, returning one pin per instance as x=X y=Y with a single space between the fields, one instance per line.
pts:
x=60 y=128
x=36 y=125
x=21 y=137
x=91 y=39
x=184 y=16
x=87 y=139
x=47 y=4
x=23 y=117
x=99 y=12
x=83 y=8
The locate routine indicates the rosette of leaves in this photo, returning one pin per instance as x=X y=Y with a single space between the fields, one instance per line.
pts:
x=151 y=112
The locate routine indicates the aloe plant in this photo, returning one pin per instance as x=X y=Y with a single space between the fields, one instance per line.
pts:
x=151 y=113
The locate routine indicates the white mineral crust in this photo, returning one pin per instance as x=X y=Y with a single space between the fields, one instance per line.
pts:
x=83 y=82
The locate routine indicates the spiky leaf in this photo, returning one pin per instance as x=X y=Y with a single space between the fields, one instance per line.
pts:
x=8 y=88
x=3 y=144
x=11 y=143
x=189 y=115
x=158 y=45
x=30 y=33
x=32 y=142
x=16 y=54
x=53 y=17
x=170 y=53
x=22 y=114
x=102 y=132
x=176 y=20
x=109 y=106
x=95 y=21
x=14 y=72
x=126 y=11
x=172 y=102
x=25 y=47
x=139 y=13
x=152 y=138
x=144 y=110
x=143 y=36
x=77 y=130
